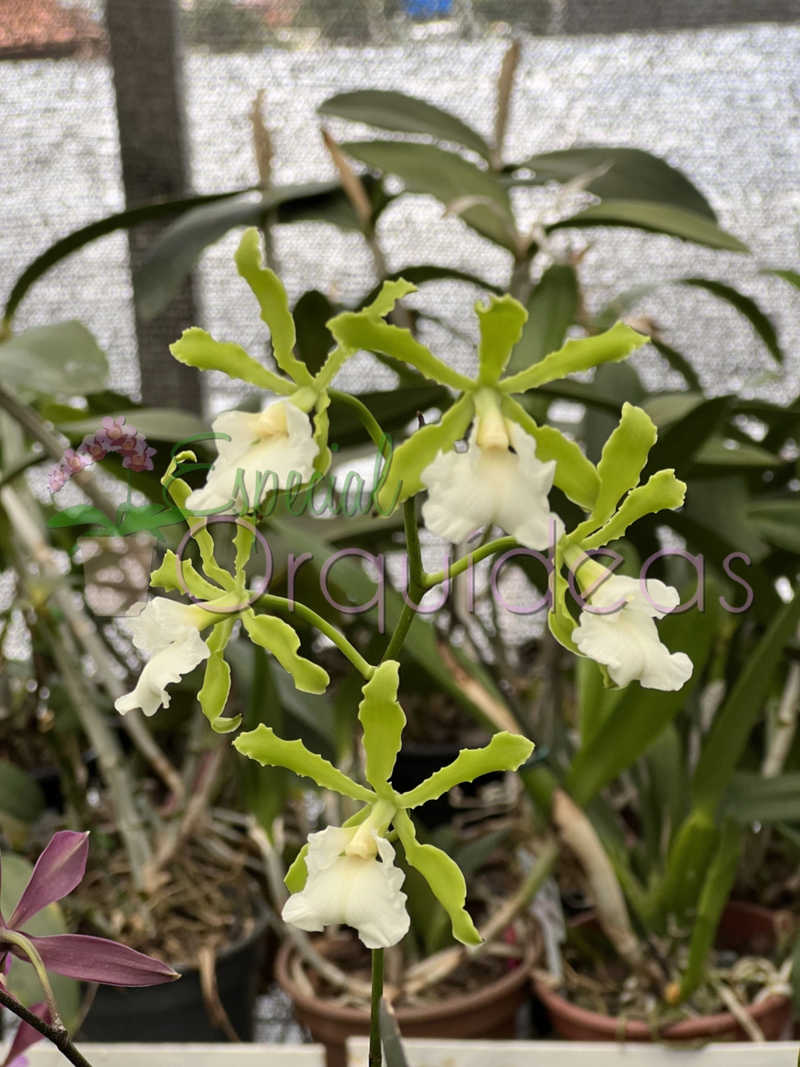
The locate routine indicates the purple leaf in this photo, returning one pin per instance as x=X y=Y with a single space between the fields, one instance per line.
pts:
x=95 y=959
x=26 y=1035
x=58 y=871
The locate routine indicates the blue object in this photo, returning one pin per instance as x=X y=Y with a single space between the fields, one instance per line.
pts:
x=427 y=9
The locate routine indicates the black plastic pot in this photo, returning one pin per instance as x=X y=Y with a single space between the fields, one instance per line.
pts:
x=177 y=1012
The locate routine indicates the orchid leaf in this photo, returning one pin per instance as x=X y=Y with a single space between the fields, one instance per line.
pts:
x=263 y=745
x=217 y=684
x=443 y=875
x=501 y=326
x=505 y=752
x=662 y=490
x=576 y=476
x=581 y=355
x=404 y=476
x=360 y=330
x=383 y=720
x=623 y=460
x=196 y=348
x=278 y=637
x=271 y=295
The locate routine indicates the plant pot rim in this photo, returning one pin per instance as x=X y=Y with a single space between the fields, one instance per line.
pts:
x=704 y=1027
x=462 y=1003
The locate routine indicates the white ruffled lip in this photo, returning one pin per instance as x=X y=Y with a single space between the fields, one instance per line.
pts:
x=349 y=890
x=258 y=445
x=169 y=630
x=486 y=485
x=626 y=640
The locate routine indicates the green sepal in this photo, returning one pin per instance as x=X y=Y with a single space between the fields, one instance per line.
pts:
x=179 y=490
x=297 y=875
x=217 y=683
x=271 y=296
x=501 y=328
x=278 y=637
x=559 y=619
x=609 y=347
x=421 y=449
x=444 y=877
x=322 y=426
x=505 y=752
x=359 y=330
x=263 y=745
x=196 y=348
x=623 y=460
x=166 y=577
x=576 y=476
x=390 y=293
x=383 y=721
x=662 y=490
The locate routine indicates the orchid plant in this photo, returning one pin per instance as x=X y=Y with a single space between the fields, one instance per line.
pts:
x=502 y=478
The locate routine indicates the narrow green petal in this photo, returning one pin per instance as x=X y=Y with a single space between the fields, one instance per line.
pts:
x=623 y=459
x=662 y=490
x=403 y=477
x=559 y=619
x=390 y=293
x=297 y=875
x=263 y=745
x=576 y=475
x=501 y=328
x=322 y=425
x=278 y=637
x=505 y=752
x=383 y=721
x=609 y=347
x=271 y=296
x=196 y=348
x=443 y=876
x=357 y=330
x=166 y=577
x=217 y=684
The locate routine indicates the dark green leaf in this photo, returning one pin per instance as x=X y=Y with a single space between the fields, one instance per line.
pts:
x=389 y=110
x=552 y=307
x=63 y=358
x=746 y=306
x=737 y=717
x=172 y=257
x=20 y=796
x=628 y=174
x=654 y=218
x=157 y=424
x=678 y=363
x=314 y=339
x=390 y=1036
x=123 y=220
x=475 y=194
x=677 y=444
x=778 y=521
x=752 y=798
x=790 y=276
x=393 y=410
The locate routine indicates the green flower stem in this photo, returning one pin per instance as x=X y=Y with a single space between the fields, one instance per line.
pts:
x=11 y=937
x=367 y=419
x=416 y=582
x=501 y=544
x=279 y=603
x=60 y=1038
x=375 y=1054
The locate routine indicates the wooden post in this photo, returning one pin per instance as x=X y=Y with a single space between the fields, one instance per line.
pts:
x=146 y=62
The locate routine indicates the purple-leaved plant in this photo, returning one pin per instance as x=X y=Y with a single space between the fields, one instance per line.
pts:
x=58 y=871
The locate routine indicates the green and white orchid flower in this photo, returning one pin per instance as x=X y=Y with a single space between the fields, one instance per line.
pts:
x=347 y=874
x=287 y=441
x=171 y=629
x=511 y=462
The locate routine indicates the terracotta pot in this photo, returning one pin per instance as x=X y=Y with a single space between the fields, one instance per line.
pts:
x=487 y=1013
x=744 y=928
